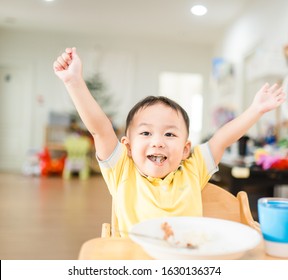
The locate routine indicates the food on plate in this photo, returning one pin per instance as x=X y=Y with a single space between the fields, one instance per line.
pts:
x=167 y=230
x=170 y=237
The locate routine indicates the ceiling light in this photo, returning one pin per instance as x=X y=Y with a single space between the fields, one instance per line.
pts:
x=199 y=10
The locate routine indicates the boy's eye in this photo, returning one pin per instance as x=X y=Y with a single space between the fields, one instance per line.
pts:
x=169 y=134
x=145 y=133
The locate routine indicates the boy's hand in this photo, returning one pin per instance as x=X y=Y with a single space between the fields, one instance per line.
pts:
x=68 y=65
x=268 y=98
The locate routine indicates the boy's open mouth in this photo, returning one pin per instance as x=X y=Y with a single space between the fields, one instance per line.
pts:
x=157 y=158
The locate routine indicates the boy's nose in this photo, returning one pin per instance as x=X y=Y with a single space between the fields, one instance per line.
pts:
x=158 y=142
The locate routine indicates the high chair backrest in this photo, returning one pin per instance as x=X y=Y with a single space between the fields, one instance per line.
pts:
x=217 y=203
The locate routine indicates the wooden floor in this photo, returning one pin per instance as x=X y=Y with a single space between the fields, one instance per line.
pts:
x=50 y=218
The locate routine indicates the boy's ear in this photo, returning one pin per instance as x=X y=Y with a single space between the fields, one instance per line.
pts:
x=187 y=150
x=126 y=142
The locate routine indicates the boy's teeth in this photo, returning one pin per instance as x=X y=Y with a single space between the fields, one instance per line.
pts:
x=157 y=159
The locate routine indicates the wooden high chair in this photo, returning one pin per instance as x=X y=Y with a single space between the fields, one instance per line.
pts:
x=217 y=203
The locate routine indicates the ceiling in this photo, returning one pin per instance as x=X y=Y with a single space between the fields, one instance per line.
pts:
x=153 y=19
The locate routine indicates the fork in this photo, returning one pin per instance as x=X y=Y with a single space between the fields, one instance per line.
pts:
x=171 y=240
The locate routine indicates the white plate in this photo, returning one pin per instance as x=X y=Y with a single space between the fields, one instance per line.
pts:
x=215 y=238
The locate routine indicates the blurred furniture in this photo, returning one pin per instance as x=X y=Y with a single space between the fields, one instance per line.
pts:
x=255 y=181
x=55 y=136
x=236 y=177
x=77 y=148
x=217 y=203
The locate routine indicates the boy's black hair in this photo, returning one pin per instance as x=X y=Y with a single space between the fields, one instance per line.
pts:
x=151 y=100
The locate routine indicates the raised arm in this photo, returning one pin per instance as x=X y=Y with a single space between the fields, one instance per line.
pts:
x=266 y=99
x=68 y=68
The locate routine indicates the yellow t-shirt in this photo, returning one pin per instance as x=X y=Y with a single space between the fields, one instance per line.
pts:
x=138 y=198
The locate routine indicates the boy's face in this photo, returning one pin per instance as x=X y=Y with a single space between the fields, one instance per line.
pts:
x=157 y=140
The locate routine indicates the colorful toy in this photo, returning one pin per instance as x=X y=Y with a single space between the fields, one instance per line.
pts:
x=48 y=165
x=267 y=161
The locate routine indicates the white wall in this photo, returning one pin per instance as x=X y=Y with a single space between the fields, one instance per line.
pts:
x=262 y=27
x=264 y=23
x=260 y=31
x=145 y=62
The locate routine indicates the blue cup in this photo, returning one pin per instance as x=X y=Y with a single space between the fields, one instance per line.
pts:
x=273 y=218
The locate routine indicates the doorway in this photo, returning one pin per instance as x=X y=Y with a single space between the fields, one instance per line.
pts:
x=15 y=116
x=186 y=89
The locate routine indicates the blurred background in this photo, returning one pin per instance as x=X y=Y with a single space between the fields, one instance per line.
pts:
x=211 y=64
x=138 y=48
